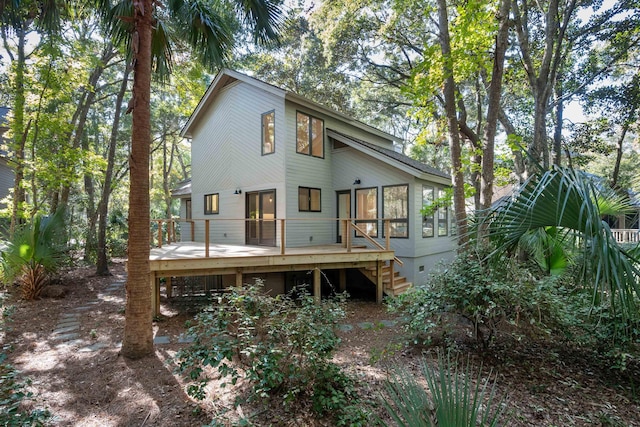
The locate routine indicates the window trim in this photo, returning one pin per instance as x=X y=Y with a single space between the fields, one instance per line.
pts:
x=366 y=221
x=213 y=196
x=309 y=189
x=404 y=220
x=424 y=217
x=273 y=150
x=310 y=133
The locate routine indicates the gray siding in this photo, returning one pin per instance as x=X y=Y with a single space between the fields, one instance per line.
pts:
x=227 y=155
x=7 y=181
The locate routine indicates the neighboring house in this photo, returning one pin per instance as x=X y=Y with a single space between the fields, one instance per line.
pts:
x=7 y=178
x=260 y=152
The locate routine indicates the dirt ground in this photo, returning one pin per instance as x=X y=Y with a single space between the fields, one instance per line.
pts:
x=83 y=380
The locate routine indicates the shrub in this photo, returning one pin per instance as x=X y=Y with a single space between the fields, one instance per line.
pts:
x=489 y=298
x=281 y=344
x=34 y=252
x=456 y=398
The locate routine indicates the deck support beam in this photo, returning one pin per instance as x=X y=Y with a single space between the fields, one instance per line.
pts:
x=380 y=283
x=154 y=282
x=169 y=286
x=317 y=289
x=342 y=280
x=239 y=278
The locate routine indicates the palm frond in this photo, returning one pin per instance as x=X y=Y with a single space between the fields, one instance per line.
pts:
x=572 y=200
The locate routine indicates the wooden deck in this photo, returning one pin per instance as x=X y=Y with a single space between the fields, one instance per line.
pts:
x=189 y=259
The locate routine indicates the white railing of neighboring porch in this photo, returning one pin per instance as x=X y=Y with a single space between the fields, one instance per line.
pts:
x=623 y=235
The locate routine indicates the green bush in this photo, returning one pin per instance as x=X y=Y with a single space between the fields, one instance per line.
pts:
x=281 y=344
x=490 y=298
x=34 y=253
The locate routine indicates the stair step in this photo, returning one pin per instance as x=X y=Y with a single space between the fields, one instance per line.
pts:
x=398 y=289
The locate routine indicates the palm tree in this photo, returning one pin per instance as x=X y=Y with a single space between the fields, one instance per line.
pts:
x=563 y=204
x=149 y=31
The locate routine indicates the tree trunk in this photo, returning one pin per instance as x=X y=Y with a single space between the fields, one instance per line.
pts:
x=83 y=111
x=493 y=107
x=19 y=133
x=91 y=210
x=454 y=135
x=616 y=167
x=138 y=331
x=557 y=134
x=102 y=262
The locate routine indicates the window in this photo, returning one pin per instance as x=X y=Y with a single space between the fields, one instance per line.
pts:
x=268 y=132
x=309 y=135
x=395 y=205
x=443 y=217
x=367 y=211
x=210 y=204
x=427 y=202
x=187 y=208
x=308 y=199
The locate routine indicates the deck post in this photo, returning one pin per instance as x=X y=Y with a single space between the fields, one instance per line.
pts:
x=159 y=233
x=239 y=278
x=342 y=280
x=169 y=286
x=193 y=230
x=391 y=273
x=154 y=282
x=344 y=226
x=387 y=234
x=380 y=283
x=348 y=236
x=206 y=238
x=317 y=289
x=282 y=237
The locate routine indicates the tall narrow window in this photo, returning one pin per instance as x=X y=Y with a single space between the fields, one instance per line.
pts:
x=187 y=208
x=309 y=135
x=427 y=219
x=443 y=214
x=395 y=205
x=308 y=199
x=367 y=211
x=211 y=204
x=268 y=132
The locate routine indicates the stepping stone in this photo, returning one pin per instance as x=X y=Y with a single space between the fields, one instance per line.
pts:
x=162 y=340
x=70 y=316
x=365 y=325
x=67 y=337
x=65 y=330
x=94 y=347
x=65 y=323
x=83 y=308
x=389 y=323
x=185 y=339
x=345 y=328
x=74 y=343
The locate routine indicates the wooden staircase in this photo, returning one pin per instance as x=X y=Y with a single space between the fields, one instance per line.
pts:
x=399 y=286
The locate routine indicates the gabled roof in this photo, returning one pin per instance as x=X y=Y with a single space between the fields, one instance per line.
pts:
x=227 y=76
x=182 y=189
x=412 y=166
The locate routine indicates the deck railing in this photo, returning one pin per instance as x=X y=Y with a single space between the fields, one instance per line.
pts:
x=166 y=231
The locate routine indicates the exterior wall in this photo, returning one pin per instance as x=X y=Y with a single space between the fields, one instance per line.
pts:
x=414 y=251
x=310 y=228
x=226 y=155
x=6 y=181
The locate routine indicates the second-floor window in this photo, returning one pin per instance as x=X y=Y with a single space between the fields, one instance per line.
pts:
x=268 y=132
x=210 y=204
x=309 y=135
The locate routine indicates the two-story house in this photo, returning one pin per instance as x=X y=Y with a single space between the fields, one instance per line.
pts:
x=261 y=154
